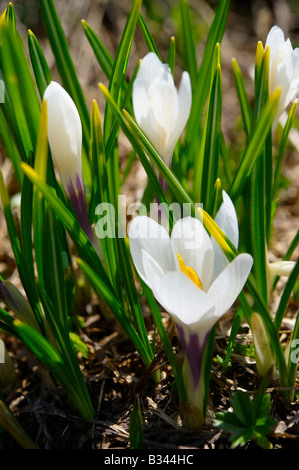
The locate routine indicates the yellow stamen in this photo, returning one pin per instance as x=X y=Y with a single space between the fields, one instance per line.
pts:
x=189 y=272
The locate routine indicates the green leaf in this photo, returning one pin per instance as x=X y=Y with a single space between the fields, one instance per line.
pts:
x=43 y=350
x=171 y=54
x=120 y=315
x=253 y=149
x=39 y=64
x=24 y=270
x=65 y=65
x=12 y=149
x=136 y=427
x=147 y=36
x=233 y=334
x=21 y=99
x=115 y=87
x=103 y=57
x=202 y=87
x=83 y=244
x=240 y=402
x=212 y=142
x=125 y=120
x=284 y=140
x=243 y=97
x=101 y=194
x=11 y=424
x=155 y=311
x=249 y=420
x=284 y=300
x=132 y=296
x=188 y=46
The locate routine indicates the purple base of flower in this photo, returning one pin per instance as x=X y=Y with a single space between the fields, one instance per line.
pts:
x=163 y=183
x=77 y=198
x=193 y=351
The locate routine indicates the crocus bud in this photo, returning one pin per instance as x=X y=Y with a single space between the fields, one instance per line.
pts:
x=263 y=353
x=65 y=140
x=65 y=136
x=160 y=110
x=283 y=68
x=16 y=302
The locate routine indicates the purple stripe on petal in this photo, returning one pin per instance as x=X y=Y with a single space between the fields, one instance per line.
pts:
x=77 y=198
x=193 y=351
x=182 y=336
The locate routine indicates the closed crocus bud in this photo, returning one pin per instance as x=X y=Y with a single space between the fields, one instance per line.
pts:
x=160 y=109
x=283 y=68
x=65 y=136
x=16 y=302
x=262 y=350
x=65 y=140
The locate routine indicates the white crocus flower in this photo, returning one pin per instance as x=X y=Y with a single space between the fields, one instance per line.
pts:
x=283 y=68
x=192 y=281
x=65 y=140
x=160 y=110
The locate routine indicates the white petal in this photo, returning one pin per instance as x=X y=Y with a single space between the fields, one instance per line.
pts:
x=163 y=98
x=190 y=240
x=228 y=285
x=152 y=270
x=189 y=305
x=183 y=109
x=275 y=40
x=226 y=219
x=150 y=69
x=143 y=112
x=146 y=234
x=64 y=132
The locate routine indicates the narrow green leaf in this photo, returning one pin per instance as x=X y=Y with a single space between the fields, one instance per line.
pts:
x=254 y=147
x=65 y=64
x=243 y=97
x=39 y=64
x=233 y=334
x=43 y=350
x=188 y=46
x=121 y=117
x=11 y=424
x=12 y=150
x=83 y=244
x=25 y=272
x=212 y=142
x=166 y=341
x=103 y=57
x=293 y=361
x=203 y=79
x=147 y=36
x=136 y=427
x=284 y=140
x=102 y=196
x=115 y=87
x=20 y=89
x=68 y=354
x=120 y=316
x=132 y=296
x=286 y=296
x=171 y=54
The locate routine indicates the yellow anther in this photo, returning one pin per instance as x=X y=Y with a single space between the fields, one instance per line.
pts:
x=189 y=272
